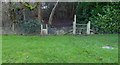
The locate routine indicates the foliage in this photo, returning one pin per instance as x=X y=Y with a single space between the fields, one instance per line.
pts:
x=29 y=6
x=83 y=12
x=105 y=18
x=16 y=9
x=11 y=11
x=30 y=26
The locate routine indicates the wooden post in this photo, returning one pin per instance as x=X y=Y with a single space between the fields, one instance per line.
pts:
x=74 y=25
x=13 y=27
x=41 y=28
x=46 y=29
x=88 y=27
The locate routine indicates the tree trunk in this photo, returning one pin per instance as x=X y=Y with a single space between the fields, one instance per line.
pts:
x=39 y=12
x=24 y=18
x=52 y=13
x=12 y=17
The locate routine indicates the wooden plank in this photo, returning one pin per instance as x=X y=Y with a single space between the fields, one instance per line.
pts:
x=82 y=28
x=81 y=24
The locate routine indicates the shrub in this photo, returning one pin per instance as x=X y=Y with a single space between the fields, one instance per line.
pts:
x=106 y=22
x=30 y=26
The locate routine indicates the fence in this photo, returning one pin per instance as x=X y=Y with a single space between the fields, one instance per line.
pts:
x=44 y=29
x=79 y=26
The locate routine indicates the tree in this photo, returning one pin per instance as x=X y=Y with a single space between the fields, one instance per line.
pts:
x=83 y=11
x=39 y=12
x=52 y=13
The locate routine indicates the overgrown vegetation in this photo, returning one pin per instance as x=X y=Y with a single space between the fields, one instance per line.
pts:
x=103 y=16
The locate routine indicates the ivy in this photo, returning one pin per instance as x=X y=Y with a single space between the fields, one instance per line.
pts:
x=29 y=6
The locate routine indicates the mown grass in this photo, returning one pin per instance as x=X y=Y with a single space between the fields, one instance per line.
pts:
x=59 y=49
x=0 y=49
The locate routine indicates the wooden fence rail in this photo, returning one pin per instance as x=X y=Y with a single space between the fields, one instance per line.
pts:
x=75 y=26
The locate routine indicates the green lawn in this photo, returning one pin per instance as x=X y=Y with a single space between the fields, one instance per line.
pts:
x=0 y=50
x=59 y=49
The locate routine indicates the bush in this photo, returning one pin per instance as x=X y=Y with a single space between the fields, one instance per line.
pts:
x=30 y=26
x=104 y=17
x=107 y=21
